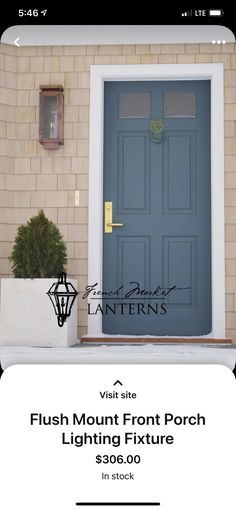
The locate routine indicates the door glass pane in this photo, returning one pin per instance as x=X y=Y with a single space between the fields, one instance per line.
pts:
x=134 y=104
x=180 y=104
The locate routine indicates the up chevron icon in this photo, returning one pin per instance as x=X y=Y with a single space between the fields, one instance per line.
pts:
x=118 y=382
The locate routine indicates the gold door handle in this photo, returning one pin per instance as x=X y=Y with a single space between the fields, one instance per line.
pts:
x=108 y=219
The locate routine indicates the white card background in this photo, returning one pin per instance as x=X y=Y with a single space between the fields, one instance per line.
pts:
x=196 y=472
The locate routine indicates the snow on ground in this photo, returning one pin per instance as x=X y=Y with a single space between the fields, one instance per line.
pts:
x=121 y=354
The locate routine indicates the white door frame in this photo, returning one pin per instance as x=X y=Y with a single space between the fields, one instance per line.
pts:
x=155 y=72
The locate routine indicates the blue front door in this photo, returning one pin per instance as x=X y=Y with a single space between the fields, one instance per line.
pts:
x=157 y=263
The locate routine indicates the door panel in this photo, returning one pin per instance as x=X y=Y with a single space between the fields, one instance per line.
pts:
x=127 y=246
x=134 y=171
x=160 y=260
x=180 y=252
x=179 y=185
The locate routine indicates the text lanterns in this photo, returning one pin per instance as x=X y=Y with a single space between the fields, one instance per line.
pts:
x=62 y=295
x=51 y=116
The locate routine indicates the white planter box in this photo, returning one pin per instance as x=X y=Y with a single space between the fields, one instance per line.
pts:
x=27 y=317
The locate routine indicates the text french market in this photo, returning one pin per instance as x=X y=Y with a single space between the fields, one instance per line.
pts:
x=128 y=420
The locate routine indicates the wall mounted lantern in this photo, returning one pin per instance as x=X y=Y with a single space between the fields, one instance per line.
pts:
x=51 y=116
x=62 y=295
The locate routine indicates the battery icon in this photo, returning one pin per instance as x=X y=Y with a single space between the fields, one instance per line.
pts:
x=216 y=12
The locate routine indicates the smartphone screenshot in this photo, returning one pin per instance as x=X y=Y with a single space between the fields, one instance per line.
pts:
x=117 y=259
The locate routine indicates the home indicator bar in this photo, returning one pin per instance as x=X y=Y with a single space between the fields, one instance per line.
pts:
x=118 y=504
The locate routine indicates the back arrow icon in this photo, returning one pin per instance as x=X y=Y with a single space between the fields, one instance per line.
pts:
x=16 y=42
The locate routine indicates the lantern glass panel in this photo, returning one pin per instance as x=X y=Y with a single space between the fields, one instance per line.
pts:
x=50 y=117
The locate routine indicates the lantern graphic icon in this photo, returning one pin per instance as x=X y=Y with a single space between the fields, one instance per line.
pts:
x=62 y=295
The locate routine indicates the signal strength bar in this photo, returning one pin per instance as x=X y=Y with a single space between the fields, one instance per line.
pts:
x=187 y=13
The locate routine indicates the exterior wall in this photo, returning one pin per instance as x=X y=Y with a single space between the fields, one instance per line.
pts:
x=32 y=177
x=7 y=151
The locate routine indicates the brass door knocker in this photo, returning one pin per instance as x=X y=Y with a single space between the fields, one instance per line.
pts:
x=157 y=130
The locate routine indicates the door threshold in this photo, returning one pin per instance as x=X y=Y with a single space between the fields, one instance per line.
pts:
x=153 y=340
